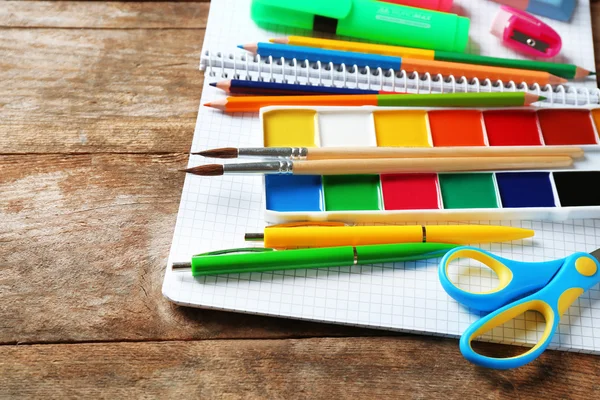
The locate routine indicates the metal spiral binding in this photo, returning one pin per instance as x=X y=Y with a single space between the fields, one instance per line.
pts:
x=247 y=66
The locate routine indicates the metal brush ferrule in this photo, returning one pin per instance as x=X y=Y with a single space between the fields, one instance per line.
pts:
x=267 y=167
x=275 y=152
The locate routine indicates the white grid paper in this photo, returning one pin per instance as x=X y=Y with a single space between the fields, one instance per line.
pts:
x=215 y=212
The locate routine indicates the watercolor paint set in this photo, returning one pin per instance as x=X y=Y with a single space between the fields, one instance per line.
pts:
x=553 y=195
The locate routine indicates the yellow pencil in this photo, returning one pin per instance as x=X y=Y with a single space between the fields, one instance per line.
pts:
x=337 y=234
x=357 y=47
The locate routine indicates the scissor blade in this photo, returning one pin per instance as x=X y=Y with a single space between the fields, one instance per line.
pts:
x=596 y=254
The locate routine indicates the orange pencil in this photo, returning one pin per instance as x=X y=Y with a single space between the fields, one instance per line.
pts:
x=433 y=67
x=481 y=72
x=254 y=103
x=466 y=99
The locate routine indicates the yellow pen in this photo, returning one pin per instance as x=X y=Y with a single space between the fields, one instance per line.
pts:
x=286 y=236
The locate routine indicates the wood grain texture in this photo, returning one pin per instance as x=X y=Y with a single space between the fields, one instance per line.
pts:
x=319 y=368
x=94 y=125
x=595 y=13
x=84 y=242
x=103 y=15
x=66 y=90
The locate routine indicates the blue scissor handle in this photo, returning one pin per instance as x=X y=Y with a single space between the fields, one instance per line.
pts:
x=579 y=272
x=517 y=279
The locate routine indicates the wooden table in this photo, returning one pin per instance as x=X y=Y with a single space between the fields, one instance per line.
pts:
x=98 y=102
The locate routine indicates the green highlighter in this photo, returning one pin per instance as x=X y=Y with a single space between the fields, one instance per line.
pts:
x=367 y=19
x=256 y=259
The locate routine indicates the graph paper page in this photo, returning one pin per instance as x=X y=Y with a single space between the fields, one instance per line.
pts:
x=216 y=212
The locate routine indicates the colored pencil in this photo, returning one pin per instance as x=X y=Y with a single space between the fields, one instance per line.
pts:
x=469 y=71
x=463 y=99
x=567 y=71
x=243 y=86
x=333 y=153
x=382 y=166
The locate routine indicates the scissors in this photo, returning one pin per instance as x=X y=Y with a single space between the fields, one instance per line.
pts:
x=547 y=287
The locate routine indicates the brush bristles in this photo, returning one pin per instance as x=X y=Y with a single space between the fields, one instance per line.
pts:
x=206 y=170
x=224 y=152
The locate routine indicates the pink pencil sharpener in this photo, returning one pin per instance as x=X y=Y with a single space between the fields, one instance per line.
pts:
x=525 y=33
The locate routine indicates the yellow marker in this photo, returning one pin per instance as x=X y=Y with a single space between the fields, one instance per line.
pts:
x=370 y=48
x=288 y=236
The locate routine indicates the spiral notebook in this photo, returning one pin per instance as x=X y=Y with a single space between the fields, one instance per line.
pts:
x=215 y=212
x=222 y=60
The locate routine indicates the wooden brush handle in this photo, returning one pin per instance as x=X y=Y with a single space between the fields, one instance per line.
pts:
x=425 y=165
x=332 y=153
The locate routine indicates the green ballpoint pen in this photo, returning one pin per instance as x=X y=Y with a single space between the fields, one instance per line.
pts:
x=256 y=259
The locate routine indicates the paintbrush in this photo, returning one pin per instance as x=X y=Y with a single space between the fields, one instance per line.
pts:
x=331 y=153
x=382 y=166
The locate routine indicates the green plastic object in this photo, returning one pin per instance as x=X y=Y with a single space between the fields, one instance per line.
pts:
x=262 y=260
x=367 y=19
x=390 y=252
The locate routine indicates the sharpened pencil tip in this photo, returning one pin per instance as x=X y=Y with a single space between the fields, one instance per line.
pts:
x=592 y=73
x=279 y=40
x=214 y=84
x=207 y=104
x=249 y=47
x=531 y=98
x=240 y=46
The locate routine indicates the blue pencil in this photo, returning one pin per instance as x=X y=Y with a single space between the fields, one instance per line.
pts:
x=314 y=54
x=385 y=62
x=242 y=86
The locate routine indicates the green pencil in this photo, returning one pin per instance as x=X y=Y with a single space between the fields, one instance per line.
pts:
x=470 y=99
x=567 y=71
x=265 y=259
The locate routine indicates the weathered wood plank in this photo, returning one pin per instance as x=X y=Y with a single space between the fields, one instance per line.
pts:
x=64 y=91
x=324 y=368
x=84 y=242
x=595 y=12
x=103 y=14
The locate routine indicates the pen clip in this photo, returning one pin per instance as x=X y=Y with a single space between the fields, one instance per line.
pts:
x=307 y=223
x=239 y=250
